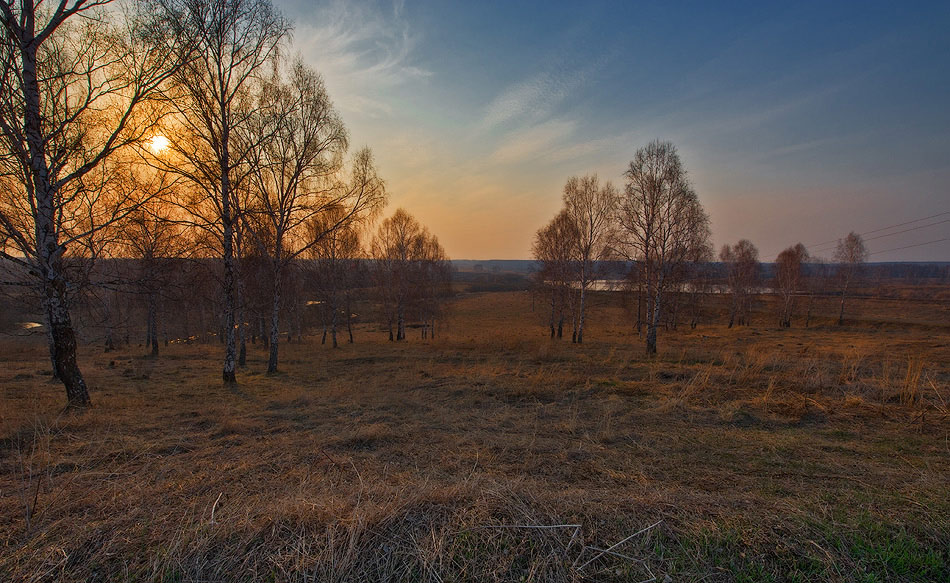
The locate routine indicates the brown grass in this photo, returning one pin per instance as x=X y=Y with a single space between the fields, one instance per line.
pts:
x=765 y=454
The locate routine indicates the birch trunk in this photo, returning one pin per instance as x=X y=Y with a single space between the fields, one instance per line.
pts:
x=652 y=326
x=349 y=318
x=62 y=338
x=152 y=323
x=580 y=324
x=333 y=325
x=640 y=310
x=400 y=324
x=230 y=349
x=52 y=345
x=844 y=292
x=274 y=321
x=242 y=329
x=64 y=344
x=654 y=321
x=787 y=312
x=230 y=345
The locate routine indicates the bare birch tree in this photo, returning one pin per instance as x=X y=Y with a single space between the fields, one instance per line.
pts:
x=554 y=248
x=335 y=269
x=298 y=153
x=155 y=242
x=392 y=252
x=210 y=98
x=74 y=77
x=789 y=273
x=661 y=225
x=850 y=256
x=432 y=276
x=590 y=207
x=742 y=275
x=411 y=272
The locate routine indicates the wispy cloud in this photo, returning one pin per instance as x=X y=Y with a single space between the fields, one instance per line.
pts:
x=361 y=51
x=534 y=141
x=534 y=119
x=756 y=110
x=529 y=100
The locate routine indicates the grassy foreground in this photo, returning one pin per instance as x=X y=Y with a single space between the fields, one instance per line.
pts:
x=493 y=454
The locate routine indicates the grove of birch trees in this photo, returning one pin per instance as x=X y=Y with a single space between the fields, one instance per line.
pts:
x=178 y=135
x=651 y=239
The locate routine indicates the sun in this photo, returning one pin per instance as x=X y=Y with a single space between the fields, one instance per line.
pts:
x=158 y=144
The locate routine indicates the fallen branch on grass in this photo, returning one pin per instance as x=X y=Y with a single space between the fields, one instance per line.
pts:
x=615 y=545
x=576 y=535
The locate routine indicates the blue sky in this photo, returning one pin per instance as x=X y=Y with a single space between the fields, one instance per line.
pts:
x=797 y=122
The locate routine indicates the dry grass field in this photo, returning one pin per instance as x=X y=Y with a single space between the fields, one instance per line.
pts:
x=494 y=454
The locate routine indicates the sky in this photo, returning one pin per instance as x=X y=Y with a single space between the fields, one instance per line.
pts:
x=797 y=121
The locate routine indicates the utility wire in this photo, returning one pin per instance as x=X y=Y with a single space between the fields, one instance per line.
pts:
x=823 y=247
x=911 y=246
x=817 y=245
x=917 y=228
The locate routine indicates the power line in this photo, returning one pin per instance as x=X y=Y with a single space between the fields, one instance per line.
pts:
x=818 y=245
x=911 y=246
x=820 y=249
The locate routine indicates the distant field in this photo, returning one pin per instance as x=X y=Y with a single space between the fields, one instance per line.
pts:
x=494 y=454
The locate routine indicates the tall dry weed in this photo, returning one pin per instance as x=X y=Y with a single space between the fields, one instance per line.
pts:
x=910 y=392
x=33 y=467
